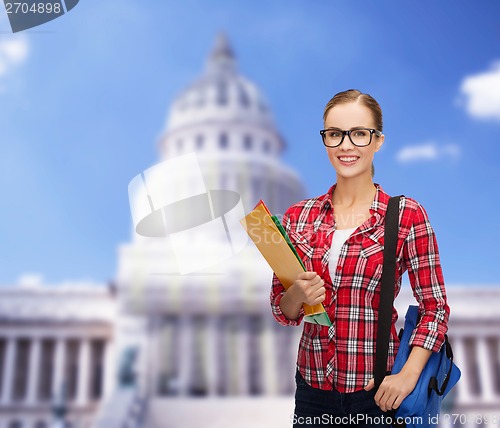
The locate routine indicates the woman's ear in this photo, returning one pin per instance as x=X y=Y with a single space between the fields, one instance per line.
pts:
x=378 y=142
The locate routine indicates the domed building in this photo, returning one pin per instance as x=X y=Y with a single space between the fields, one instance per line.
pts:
x=211 y=333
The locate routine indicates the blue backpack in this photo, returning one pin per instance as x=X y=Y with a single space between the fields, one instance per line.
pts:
x=421 y=408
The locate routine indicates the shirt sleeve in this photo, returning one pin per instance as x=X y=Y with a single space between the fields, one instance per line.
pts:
x=426 y=279
x=278 y=291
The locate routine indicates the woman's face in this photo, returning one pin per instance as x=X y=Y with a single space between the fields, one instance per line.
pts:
x=347 y=159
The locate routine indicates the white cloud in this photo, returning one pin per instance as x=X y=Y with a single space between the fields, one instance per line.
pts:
x=30 y=280
x=14 y=49
x=429 y=151
x=481 y=93
x=13 y=52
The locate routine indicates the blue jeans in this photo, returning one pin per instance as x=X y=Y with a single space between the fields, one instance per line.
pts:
x=323 y=409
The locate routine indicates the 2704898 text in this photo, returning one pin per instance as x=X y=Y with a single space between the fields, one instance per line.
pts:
x=41 y=8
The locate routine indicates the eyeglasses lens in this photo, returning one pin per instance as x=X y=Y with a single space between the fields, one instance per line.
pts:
x=360 y=137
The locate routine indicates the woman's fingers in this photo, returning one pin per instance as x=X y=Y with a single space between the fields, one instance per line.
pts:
x=370 y=385
x=307 y=275
x=392 y=392
x=312 y=288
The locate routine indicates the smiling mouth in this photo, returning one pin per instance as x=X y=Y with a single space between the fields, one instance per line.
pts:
x=348 y=160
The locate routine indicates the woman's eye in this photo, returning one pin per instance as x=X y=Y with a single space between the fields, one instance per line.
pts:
x=360 y=133
x=334 y=134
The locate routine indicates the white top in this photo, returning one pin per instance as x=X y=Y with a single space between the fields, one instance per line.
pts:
x=338 y=239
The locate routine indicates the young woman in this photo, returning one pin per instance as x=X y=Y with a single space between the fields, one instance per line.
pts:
x=340 y=238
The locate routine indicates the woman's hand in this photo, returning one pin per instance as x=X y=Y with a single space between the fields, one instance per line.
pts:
x=307 y=288
x=393 y=390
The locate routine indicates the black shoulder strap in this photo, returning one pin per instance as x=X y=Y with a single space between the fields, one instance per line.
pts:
x=387 y=289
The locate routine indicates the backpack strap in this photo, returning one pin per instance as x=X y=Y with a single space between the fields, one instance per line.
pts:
x=387 y=289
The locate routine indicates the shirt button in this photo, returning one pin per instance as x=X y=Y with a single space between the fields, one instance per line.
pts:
x=339 y=268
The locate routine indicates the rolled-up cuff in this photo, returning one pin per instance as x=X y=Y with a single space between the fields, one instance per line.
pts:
x=427 y=339
x=278 y=314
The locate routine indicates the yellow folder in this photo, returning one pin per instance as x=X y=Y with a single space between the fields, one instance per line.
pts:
x=272 y=241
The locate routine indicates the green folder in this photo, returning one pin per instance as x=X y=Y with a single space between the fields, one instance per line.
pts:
x=321 y=318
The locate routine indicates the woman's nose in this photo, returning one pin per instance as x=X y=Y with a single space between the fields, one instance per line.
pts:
x=346 y=143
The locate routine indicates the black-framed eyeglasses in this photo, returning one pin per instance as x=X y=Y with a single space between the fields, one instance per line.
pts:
x=360 y=137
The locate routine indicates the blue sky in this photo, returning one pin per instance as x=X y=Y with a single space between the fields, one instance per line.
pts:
x=84 y=99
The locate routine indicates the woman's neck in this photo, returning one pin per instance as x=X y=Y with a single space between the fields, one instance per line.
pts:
x=352 y=191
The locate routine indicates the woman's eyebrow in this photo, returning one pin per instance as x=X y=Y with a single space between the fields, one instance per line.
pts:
x=350 y=129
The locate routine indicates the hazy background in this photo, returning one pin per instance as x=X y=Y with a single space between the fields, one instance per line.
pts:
x=84 y=99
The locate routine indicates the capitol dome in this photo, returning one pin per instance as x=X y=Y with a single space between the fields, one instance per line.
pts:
x=226 y=120
x=220 y=94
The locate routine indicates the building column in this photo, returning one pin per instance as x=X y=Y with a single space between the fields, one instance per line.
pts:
x=463 y=387
x=140 y=366
x=485 y=374
x=269 y=361
x=58 y=381
x=185 y=353
x=243 y=357
x=82 y=392
x=110 y=375
x=212 y=356
x=8 y=370
x=34 y=370
x=231 y=348
x=153 y=356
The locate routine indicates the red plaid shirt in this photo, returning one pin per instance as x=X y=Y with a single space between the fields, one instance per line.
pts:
x=341 y=357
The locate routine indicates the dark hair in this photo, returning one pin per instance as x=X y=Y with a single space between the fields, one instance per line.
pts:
x=353 y=95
